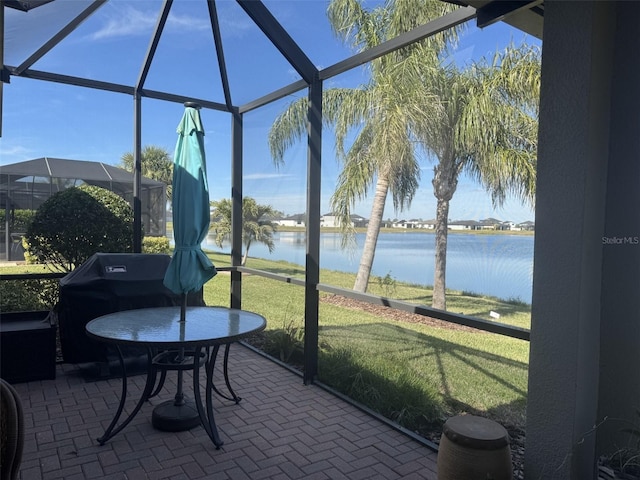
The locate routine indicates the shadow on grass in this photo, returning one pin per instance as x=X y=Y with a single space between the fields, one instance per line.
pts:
x=394 y=384
x=412 y=404
x=397 y=385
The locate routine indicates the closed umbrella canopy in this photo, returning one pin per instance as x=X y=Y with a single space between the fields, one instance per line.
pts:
x=190 y=268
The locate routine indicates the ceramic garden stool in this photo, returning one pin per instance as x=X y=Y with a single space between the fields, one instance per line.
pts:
x=474 y=448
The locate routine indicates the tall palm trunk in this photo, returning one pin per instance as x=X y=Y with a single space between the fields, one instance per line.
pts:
x=246 y=253
x=373 y=230
x=439 y=283
x=445 y=182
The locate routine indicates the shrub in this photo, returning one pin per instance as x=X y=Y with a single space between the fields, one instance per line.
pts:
x=286 y=343
x=387 y=284
x=28 y=258
x=74 y=224
x=156 y=245
x=27 y=295
x=18 y=219
x=14 y=297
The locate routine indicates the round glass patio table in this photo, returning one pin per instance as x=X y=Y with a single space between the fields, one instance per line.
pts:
x=195 y=341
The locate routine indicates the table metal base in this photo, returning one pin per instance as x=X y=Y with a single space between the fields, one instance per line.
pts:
x=177 y=414
x=175 y=344
x=170 y=417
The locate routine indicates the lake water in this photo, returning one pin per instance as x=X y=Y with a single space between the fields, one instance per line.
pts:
x=498 y=265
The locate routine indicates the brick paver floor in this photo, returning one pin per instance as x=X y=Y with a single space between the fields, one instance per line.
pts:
x=282 y=429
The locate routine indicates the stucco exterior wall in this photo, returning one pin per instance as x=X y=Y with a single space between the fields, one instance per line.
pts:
x=584 y=337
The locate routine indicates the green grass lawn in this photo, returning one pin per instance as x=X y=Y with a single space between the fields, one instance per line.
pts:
x=413 y=373
x=513 y=313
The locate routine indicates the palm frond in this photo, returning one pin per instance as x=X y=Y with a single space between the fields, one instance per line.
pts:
x=498 y=130
x=347 y=110
x=409 y=14
x=354 y=182
x=354 y=25
x=288 y=128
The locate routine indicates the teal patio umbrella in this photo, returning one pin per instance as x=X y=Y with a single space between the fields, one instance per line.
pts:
x=189 y=268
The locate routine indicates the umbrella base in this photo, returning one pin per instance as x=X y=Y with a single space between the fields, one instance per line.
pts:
x=170 y=417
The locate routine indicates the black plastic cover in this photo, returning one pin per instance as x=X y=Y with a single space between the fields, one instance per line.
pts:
x=108 y=283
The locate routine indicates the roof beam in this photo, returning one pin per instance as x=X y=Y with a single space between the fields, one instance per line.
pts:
x=58 y=37
x=438 y=25
x=153 y=45
x=116 y=88
x=428 y=29
x=496 y=11
x=170 y=97
x=70 y=80
x=25 y=5
x=263 y=18
x=273 y=96
x=217 y=40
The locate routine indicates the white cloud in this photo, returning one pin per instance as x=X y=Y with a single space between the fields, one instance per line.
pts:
x=13 y=153
x=266 y=176
x=124 y=21
x=187 y=22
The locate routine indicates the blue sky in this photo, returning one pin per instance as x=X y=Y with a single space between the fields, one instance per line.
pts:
x=44 y=119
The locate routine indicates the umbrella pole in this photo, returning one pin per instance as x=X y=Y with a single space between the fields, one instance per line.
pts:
x=183 y=308
x=179 y=400
x=177 y=415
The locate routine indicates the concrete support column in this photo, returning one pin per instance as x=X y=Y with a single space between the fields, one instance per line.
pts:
x=619 y=392
x=585 y=316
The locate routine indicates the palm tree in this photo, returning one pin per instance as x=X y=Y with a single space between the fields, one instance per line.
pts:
x=382 y=153
x=480 y=120
x=485 y=126
x=156 y=164
x=256 y=226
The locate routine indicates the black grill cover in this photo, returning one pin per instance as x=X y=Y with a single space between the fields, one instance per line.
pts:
x=107 y=283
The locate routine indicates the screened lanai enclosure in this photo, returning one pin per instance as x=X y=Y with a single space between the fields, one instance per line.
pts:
x=25 y=186
x=241 y=94
x=104 y=63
